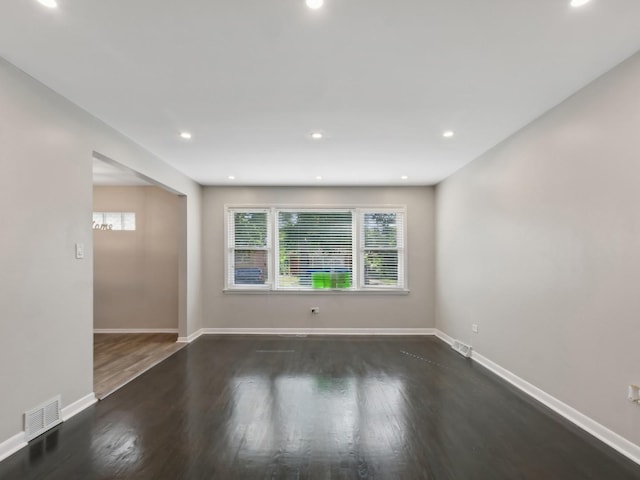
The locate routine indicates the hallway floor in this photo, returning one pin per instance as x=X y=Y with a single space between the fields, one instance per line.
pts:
x=118 y=358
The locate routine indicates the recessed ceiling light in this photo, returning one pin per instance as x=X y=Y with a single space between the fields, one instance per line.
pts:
x=231 y=177
x=579 y=3
x=315 y=4
x=185 y=135
x=317 y=135
x=448 y=134
x=318 y=177
x=404 y=177
x=48 y=3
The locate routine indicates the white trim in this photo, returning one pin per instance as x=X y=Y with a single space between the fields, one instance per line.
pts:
x=12 y=445
x=314 y=206
x=602 y=433
x=444 y=337
x=267 y=290
x=319 y=331
x=135 y=330
x=78 y=406
x=190 y=338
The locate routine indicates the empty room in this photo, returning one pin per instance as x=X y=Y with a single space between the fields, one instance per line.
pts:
x=379 y=240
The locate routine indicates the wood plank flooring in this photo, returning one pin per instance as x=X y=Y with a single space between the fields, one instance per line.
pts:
x=119 y=358
x=318 y=408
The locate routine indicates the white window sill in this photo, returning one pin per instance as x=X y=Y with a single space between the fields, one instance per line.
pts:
x=324 y=291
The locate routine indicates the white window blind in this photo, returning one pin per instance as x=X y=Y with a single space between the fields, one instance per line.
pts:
x=249 y=243
x=382 y=249
x=315 y=249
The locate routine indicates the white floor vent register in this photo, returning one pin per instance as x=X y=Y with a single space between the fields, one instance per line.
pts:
x=462 y=348
x=42 y=418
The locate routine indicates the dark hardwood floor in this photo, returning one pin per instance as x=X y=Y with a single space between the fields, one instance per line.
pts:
x=317 y=408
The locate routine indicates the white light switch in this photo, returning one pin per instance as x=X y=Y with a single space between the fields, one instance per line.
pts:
x=634 y=393
x=79 y=250
x=474 y=328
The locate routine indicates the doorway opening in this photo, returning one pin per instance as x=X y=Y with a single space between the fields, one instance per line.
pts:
x=139 y=228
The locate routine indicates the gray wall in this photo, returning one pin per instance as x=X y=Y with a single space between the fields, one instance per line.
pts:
x=46 y=320
x=135 y=273
x=539 y=243
x=340 y=310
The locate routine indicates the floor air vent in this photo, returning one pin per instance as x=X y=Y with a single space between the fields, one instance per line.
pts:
x=42 y=418
x=462 y=348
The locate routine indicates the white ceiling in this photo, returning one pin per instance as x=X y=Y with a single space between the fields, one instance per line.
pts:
x=250 y=79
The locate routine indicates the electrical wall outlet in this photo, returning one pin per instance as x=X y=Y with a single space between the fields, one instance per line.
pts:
x=474 y=328
x=315 y=310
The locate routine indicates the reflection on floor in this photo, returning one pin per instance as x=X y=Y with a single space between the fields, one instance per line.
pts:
x=318 y=408
x=118 y=358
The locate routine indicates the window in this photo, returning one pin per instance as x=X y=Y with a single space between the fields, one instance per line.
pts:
x=382 y=249
x=315 y=249
x=114 y=221
x=249 y=247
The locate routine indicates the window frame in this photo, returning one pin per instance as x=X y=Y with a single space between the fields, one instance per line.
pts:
x=401 y=241
x=276 y=246
x=230 y=249
x=357 y=246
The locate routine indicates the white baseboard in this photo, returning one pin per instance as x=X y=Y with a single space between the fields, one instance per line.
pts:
x=319 y=331
x=602 y=433
x=135 y=330
x=444 y=337
x=12 y=445
x=191 y=337
x=78 y=406
x=19 y=440
x=307 y=331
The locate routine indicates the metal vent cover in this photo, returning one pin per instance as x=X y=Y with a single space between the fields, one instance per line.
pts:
x=40 y=419
x=462 y=348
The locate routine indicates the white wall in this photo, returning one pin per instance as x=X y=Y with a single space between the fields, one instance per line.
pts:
x=135 y=273
x=339 y=310
x=539 y=243
x=46 y=324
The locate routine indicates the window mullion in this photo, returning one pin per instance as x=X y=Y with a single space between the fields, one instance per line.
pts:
x=274 y=250
x=358 y=254
x=354 y=251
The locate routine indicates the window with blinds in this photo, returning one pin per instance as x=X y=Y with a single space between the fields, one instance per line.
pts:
x=315 y=248
x=382 y=249
x=249 y=245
